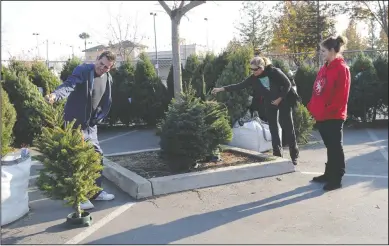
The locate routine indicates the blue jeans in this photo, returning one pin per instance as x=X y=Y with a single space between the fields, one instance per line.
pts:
x=90 y=134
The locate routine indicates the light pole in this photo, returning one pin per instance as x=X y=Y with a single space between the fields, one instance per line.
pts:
x=155 y=37
x=47 y=52
x=206 y=19
x=37 y=42
x=71 y=46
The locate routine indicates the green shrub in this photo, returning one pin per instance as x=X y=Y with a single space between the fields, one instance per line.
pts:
x=192 y=129
x=305 y=78
x=214 y=69
x=8 y=119
x=69 y=66
x=29 y=105
x=365 y=91
x=19 y=66
x=191 y=66
x=303 y=124
x=381 y=67
x=170 y=81
x=42 y=77
x=150 y=96
x=235 y=72
x=122 y=89
x=281 y=64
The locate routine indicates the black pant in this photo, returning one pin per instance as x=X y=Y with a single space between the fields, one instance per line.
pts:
x=331 y=132
x=282 y=114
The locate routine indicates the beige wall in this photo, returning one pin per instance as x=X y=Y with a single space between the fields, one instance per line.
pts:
x=92 y=55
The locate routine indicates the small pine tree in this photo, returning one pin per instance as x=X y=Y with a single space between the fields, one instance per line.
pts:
x=68 y=68
x=71 y=165
x=303 y=124
x=8 y=119
x=192 y=130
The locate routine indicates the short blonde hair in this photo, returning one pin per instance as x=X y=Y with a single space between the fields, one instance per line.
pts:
x=260 y=62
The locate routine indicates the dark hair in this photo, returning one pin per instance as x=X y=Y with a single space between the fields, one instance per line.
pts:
x=334 y=43
x=109 y=54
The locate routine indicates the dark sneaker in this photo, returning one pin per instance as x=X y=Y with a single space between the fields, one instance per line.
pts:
x=332 y=186
x=295 y=162
x=320 y=179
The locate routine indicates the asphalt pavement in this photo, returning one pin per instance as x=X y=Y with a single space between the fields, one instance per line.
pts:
x=287 y=209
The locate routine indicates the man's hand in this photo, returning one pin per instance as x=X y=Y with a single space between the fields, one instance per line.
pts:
x=216 y=90
x=50 y=98
x=277 y=101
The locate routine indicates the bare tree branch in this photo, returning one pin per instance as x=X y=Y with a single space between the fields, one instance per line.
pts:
x=123 y=31
x=190 y=6
x=166 y=8
x=181 y=4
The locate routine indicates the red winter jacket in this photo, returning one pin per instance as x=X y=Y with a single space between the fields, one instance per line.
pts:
x=331 y=91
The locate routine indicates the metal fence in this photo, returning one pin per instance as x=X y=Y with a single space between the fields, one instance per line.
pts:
x=294 y=60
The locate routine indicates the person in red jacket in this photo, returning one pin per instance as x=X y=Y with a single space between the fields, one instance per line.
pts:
x=328 y=106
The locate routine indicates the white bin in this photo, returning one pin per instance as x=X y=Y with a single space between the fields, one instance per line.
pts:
x=253 y=135
x=15 y=174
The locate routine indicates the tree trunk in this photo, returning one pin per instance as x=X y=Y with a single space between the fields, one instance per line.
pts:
x=176 y=57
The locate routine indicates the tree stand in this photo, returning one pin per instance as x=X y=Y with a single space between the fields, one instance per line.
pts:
x=85 y=220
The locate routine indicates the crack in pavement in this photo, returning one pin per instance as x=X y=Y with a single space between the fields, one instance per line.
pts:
x=198 y=194
x=153 y=202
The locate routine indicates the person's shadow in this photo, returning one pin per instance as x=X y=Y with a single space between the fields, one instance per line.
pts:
x=196 y=224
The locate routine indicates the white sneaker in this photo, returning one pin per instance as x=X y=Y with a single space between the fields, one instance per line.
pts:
x=86 y=205
x=104 y=196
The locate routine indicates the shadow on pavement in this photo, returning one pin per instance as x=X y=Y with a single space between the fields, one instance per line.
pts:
x=200 y=223
x=49 y=216
x=196 y=224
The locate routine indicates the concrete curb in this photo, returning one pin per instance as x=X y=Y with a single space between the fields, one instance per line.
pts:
x=139 y=187
x=130 y=182
x=208 y=178
x=131 y=152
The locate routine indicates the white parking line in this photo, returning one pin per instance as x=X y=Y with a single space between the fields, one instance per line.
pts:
x=381 y=149
x=117 y=136
x=95 y=226
x=350 y=175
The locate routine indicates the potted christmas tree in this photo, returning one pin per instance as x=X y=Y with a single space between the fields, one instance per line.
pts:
x=71 y=165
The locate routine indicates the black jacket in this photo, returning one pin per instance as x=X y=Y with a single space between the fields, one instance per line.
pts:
x=279 y=83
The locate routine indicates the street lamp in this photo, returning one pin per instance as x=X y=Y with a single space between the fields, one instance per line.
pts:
x=37 y=42
x=155 y=37
x=206 y=19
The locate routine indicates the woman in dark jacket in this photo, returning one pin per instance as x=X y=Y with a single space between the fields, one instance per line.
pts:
x=274 y=86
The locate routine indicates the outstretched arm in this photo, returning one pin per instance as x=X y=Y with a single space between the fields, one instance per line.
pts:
x=242 y=85
x=64 y=90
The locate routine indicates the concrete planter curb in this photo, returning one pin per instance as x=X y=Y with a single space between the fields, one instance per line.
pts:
x=139 y=187
x=130 y=182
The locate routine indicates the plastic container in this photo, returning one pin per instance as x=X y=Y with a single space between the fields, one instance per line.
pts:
x=15 y=174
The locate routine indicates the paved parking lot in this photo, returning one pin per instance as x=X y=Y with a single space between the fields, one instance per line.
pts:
x=287 y=210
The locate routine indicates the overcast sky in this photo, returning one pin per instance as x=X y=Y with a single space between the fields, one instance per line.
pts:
x=61 y=22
